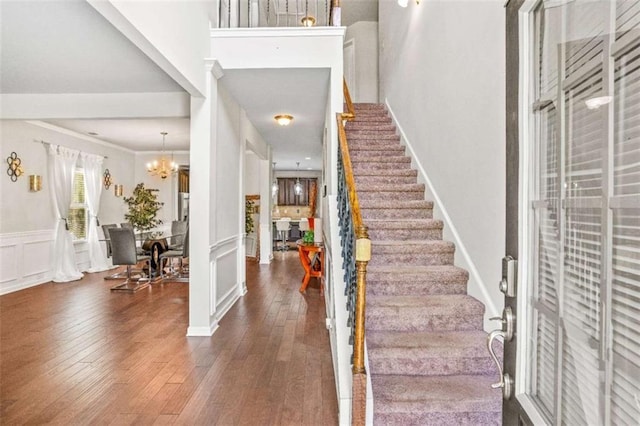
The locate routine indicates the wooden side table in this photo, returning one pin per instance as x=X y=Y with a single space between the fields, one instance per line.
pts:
x=312 y=260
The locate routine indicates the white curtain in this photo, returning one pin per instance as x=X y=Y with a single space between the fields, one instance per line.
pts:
x=92 y=165
x=62 y=164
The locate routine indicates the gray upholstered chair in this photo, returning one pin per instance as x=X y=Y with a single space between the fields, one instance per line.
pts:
x=123 y=251
x=105 y=231
x=181 y=275
x=178 y=231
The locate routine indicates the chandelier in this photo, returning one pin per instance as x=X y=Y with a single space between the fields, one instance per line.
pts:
x=162 y=167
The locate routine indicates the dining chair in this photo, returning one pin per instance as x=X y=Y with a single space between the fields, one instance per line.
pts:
x=283 y=226
x=105 y=231
x=178 y=231
x=123 y=246
x=180 y=275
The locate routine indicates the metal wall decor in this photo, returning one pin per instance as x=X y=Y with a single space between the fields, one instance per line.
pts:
x=106 y=179
x=15 y=169
x=117 y=190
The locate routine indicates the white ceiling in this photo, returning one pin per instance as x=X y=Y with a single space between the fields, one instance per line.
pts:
x=67 y=47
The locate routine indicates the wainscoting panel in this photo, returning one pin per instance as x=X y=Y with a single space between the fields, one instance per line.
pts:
x=224 y=266
x=25 y=259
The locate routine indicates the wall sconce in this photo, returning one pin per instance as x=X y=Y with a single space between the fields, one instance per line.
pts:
x=106 y=179
x=35 y=183
x=117 y=190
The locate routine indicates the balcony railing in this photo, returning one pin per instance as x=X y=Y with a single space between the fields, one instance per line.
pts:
x=274 y=13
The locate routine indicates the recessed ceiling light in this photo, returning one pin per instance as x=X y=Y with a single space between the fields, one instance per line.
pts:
x=93 y=133
x=307 y=158
x=283 y=119
x=309 y=168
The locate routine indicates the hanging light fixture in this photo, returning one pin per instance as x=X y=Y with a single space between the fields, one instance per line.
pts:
x=162 y=167
x=297 y=188
x=274 y=185
x=307 y=21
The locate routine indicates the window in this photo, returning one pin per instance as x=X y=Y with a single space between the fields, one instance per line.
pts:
x=584 y=303
x=77 y=220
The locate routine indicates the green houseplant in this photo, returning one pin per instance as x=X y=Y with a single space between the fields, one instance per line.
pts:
x=143 y=208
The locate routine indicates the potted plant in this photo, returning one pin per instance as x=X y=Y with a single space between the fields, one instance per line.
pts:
x=143 y=208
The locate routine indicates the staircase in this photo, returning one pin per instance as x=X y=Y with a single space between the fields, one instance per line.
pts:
x=428 y=360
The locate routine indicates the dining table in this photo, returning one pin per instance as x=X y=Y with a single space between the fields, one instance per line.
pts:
x=312 y=260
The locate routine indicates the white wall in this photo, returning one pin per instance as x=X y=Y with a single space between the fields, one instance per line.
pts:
x=442 y=74
x=365 y=37
x=174 y=34
x=27 y=219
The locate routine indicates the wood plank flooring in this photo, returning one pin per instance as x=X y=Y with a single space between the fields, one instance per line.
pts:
x=75 y=353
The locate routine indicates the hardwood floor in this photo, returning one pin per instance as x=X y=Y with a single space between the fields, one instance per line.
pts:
x=76 y=353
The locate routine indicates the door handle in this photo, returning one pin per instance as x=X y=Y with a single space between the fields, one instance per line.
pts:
x=506 y=332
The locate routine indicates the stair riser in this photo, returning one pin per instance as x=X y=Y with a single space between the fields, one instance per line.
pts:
x=487 y=418
x=371 y=127
x=405 y=234
x=368 y=107
x=390 y=159
x=373 y=137
x=416 y=319
x=404 y=287
x=389 y=195
x=363 y=154
x=421 y=364
x=377 y=180
x=370 y=118
x=391 y=187
x=396 y=213
x=418 y=258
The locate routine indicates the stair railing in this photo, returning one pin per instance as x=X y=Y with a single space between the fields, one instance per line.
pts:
x=356 y=253
x=275 y=13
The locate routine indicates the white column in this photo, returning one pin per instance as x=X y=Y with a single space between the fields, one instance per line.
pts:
x=266 y=244
x=202 y=199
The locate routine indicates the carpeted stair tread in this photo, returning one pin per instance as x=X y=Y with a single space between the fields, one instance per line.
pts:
x=402 y=204
x=362 y=172
x=436 y=400
x=382 y=159
x=377 y=179
x=404 y=223
x=429 y=353
x=432 y=305
x=374 y=149
x=391 y=187
x=440 y=273
x=412 y=245
x=438 y=312
x=378 y=137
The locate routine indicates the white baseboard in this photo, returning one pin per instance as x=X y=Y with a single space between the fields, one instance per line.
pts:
x=202 y=331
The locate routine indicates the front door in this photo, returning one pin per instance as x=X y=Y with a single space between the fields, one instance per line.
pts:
x=573 y=211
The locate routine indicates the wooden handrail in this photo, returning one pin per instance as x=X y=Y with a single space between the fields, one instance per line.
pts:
x=351 y=112
x=362 y=257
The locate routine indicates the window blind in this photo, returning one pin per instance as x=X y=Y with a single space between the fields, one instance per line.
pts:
x=625 y=279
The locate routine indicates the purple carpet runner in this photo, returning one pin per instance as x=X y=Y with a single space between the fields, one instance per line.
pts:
x=429 y=364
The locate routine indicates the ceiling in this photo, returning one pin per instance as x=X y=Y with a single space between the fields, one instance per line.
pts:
x=67 y=47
